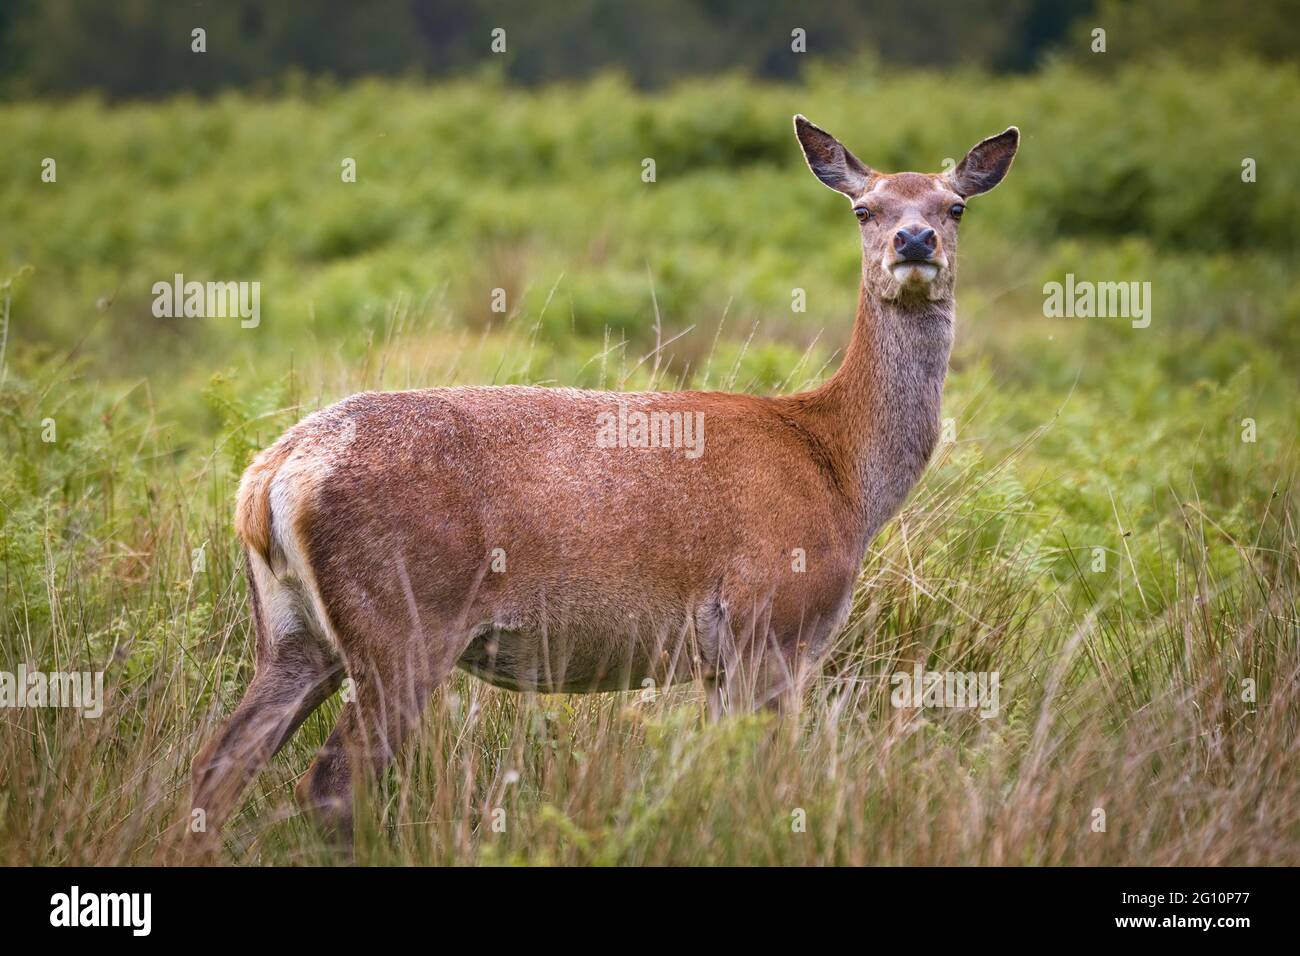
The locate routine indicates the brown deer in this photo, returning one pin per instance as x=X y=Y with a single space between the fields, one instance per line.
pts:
x=558 y=540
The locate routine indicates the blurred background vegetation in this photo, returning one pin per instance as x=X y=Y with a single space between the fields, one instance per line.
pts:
x=140 y=47
x=523 y=171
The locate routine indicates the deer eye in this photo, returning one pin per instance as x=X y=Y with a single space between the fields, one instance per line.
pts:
x=957 y=210
x=862 y=212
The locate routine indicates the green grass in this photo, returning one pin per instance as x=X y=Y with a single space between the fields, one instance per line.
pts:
x=1122 y=689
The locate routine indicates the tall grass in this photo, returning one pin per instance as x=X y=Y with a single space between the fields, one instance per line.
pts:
x=1122 y=692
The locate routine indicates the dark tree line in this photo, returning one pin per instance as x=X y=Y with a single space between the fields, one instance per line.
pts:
x=130 y=48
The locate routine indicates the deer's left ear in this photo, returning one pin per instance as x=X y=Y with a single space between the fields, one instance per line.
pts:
x=830 y=162
x=986 y=164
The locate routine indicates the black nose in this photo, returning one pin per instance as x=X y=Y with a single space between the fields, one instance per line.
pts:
x=914 y=242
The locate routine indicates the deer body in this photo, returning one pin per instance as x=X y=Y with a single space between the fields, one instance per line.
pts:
x=394 y=536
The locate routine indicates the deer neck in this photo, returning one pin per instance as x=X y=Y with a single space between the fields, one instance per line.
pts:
x=878 y=415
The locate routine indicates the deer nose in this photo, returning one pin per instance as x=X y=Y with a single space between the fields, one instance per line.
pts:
x=914 y=242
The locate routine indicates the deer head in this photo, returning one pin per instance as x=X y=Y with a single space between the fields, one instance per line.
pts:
x=908 y=220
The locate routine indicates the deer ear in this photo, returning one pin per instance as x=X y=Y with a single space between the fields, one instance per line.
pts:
x=986 y=164
x=830 y=162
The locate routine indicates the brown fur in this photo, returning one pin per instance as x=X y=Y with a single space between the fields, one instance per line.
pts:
x=373 y=527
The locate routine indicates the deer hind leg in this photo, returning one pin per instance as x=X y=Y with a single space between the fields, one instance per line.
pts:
x=289 y=683
x=389 y=695
x=295 y=672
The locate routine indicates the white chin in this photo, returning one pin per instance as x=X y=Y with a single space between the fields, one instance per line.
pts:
x=921 y=273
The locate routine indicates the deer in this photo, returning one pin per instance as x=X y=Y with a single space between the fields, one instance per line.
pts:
x=395 y=536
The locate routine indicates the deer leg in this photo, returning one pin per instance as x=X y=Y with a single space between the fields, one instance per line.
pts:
x=767 y=660
x=744 y=659
x=325 y=790
x=292 y=678
x=389 y=699
x=792 y=661
x=713 y=699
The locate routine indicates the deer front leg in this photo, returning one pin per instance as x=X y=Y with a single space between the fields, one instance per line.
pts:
x=769 y=655
x=746 y=657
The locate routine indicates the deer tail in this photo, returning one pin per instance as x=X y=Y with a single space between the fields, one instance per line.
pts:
x=253 y=503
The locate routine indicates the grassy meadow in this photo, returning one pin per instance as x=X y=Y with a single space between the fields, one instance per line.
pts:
x=1113 y=526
